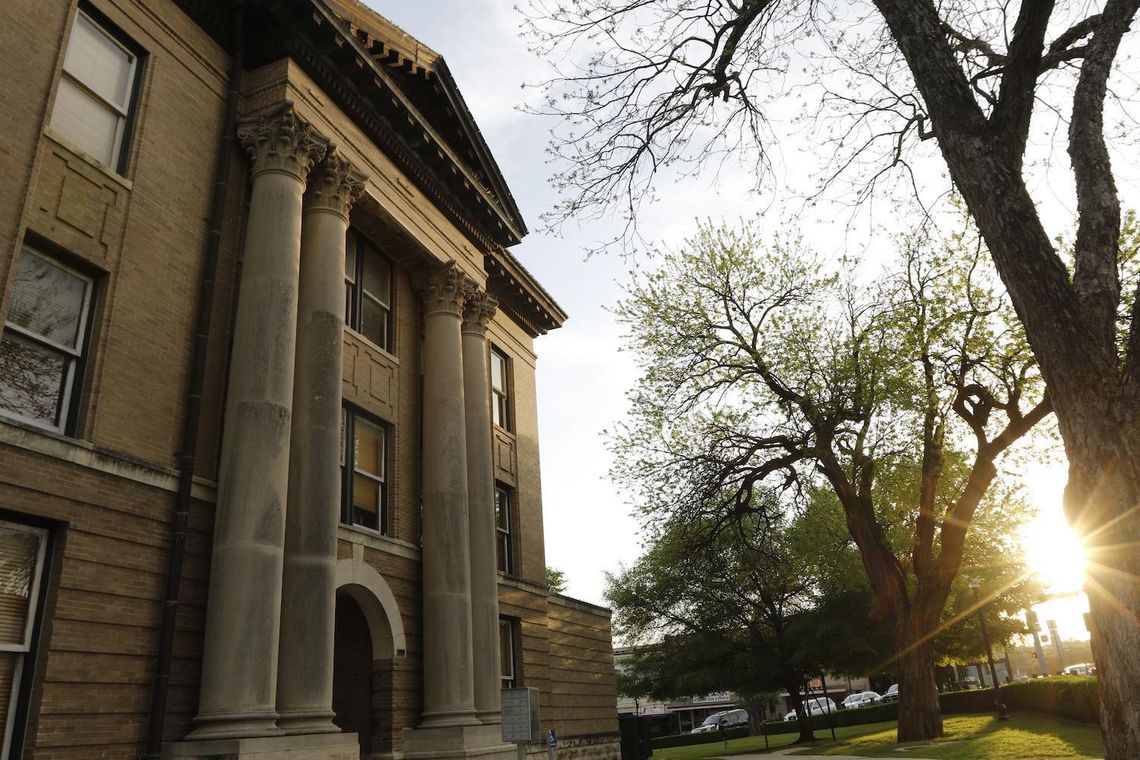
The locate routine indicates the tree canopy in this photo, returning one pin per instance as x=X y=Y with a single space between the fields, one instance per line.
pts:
x=762 y=371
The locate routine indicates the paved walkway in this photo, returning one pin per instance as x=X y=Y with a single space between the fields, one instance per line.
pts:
x=791 y=752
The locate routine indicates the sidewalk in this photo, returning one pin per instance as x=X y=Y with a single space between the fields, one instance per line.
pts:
x=790 y=752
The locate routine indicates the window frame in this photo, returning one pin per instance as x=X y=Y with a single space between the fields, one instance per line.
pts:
x=126 y=117
x=501 y=406
x=23 y=673
x=505 y=533
x=76 y=357
x=514 y=679
x=360 y=246
x=349 y=417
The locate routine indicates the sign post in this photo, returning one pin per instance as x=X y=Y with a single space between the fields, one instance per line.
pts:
x=520 y=718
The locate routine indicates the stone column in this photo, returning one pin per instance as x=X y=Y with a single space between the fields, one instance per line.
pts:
x=448 y=677
x=308 y=603
x=239 y=658
x=481 y=506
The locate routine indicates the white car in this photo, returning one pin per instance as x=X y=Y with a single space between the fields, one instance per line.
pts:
x=815 y=706
x=820 y=706
x=861 y=699
x=891 y=694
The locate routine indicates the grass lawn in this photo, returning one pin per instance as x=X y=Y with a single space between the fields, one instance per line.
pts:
x=968 y=737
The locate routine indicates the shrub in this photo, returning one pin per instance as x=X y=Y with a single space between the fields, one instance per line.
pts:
x=877 y=713
x=1072 y=697
x=684 y=740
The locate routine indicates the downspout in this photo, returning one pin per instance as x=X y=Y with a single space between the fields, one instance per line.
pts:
x=187 y=456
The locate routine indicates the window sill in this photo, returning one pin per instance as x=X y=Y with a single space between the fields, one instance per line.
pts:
x=62 y=142
x=357 y=534
x=369 y=344
x=42 y=441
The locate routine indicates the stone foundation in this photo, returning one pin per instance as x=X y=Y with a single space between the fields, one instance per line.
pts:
x=302 y=747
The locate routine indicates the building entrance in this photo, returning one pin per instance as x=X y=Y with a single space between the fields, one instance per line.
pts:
x=352 y=672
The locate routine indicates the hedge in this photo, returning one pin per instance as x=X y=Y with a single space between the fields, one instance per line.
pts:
x=1072 y=697
x=876 y=713
x=683 y=740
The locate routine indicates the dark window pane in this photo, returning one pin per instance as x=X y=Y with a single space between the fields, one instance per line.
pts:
x=377 y=277
x=374 y=322
x=32 y=379
x=503 y=552
x=502 y=509
x=506 y=653
x=48 y=300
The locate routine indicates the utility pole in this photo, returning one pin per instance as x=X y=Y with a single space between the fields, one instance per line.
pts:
x=1034 y=625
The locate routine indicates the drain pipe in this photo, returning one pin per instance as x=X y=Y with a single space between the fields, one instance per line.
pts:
x=186 y=459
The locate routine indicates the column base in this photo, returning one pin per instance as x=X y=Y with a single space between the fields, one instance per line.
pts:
x=235 y=726
x=307 y=722
x=460 y=742
x=297 y=747
x=490 y=717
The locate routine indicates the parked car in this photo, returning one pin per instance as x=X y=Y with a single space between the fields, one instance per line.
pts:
x=820 y=706
x=891 y=694
x=722 y=720
x=815 y=706
x=1083 y=669
x=860 y=699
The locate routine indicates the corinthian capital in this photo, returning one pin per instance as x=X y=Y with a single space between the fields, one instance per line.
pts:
x=477 y=311
x=279 y=140
x=334 y=184
x=445 y=288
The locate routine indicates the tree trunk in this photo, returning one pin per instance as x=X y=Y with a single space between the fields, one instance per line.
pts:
x=920 y=715
x=804 y=720
x=1101 y=503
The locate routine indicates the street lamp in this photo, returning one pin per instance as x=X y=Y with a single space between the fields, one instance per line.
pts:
x=975 y=586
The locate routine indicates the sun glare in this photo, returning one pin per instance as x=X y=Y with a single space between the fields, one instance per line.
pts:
x=1054 y=552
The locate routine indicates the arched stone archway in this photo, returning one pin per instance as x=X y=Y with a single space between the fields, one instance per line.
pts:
x=369 y=637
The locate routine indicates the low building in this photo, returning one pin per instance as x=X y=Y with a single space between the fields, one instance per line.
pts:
x=269 y=467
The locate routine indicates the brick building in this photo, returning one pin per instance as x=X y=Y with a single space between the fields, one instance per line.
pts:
x=269 y=480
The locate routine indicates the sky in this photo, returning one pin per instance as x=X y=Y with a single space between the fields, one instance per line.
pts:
x=582 y=374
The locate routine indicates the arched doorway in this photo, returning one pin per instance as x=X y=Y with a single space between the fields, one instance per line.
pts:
x=352 y=672
x=369 y=639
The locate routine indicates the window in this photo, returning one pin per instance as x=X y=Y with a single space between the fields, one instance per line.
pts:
x=22 y=551
x=368 y=291
x=503 y=499
x=93 y=104
x=41 y=350
x=364 y=473
x=500 y=389
x=507 y=652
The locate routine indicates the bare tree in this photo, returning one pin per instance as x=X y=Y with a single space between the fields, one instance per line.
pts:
x=681 y=82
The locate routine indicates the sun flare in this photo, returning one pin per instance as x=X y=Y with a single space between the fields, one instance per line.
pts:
x=1054 y=552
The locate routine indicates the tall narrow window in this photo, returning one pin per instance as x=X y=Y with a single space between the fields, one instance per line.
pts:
x=368 y=291
x=22 y=550
x=45 y=335
x=93 y=104
x=507 y=654
x=364 y=473
x=500 y=389
x=503 y=506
